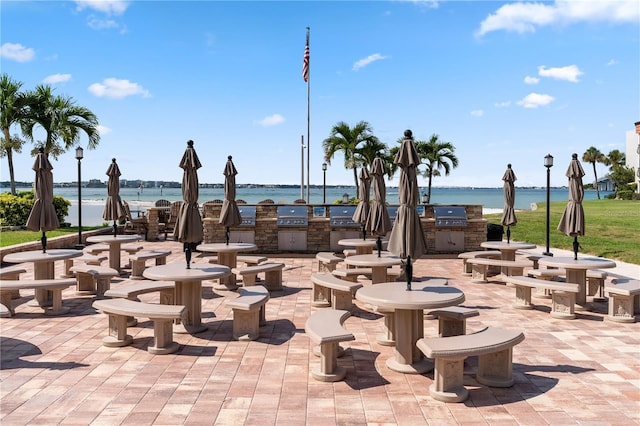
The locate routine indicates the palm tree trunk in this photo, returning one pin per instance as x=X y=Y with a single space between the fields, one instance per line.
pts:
x=429 y=188
x=355 y=179
x=596 y=176
x=12 y=181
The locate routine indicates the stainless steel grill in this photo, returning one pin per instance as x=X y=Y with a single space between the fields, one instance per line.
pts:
x=450 y=216
x=342 y=216
x=248 y=214
x=393 y=211
x=293 y=216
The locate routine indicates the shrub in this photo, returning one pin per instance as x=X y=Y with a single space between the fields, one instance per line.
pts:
x=15 y=209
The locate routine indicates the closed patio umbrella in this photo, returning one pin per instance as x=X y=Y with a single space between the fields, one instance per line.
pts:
x=362 y=210
x=229 y=214
x=407 y=238
x=113 y=208
x=378 y=222
x=509 y=214
x=188 y=228
x=572 y=221
x=43 y=213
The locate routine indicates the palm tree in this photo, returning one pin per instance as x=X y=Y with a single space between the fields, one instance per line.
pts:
x=593 y=156
x=366 y=153
x=436 y=155
x=13 y=109
x=615 y=160
x=346 y=139
x=62 y=120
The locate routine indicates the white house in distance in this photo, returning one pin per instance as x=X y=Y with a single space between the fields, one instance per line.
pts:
x=632 y=152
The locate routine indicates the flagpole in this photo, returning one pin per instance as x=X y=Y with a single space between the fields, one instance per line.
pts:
x=302 y=166
x=308 y=115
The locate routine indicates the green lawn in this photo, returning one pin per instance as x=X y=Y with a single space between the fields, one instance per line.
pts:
x=9 y=238
x=612 y=228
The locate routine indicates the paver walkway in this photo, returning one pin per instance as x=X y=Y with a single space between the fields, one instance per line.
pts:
x=54 y=370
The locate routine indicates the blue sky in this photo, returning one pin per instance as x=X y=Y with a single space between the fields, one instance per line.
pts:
x=505 y=82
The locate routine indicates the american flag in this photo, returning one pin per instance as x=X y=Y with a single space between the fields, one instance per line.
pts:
x=305 y=61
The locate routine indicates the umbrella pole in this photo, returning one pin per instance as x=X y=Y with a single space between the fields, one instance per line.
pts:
x=226 y=236
x=187 y=254
x=115 y=228
x=508 y=234
x=576 y=246
x=364 y=232
x=408 y=270
x=379 y=245
x=43 y=241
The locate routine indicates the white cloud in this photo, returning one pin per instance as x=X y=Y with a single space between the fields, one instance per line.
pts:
x=427 y=4
x=535 y=100
x=503 y=104
x=477 y=113
x=531 y=80
x=612 y=62
x=103 y=130
x=101 y=24
x=110 y=7
x=526 y=17
x=568 y=73
x=17 y=52
x=368 y=60
x=117 y=89
x=57 y=78
x=271 y=120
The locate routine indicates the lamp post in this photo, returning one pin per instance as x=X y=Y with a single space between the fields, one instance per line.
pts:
x=324 y=183
x=425 y=198
x=548 y=163
x=79 y=156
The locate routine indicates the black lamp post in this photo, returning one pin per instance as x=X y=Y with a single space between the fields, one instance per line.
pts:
x=324 y=183
x=548 y=163
x=79 y=156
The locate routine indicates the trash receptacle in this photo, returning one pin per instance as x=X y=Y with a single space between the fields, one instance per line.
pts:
x=494 y=232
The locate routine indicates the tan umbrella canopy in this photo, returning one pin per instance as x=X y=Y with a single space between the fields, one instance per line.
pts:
x=43 y=215
x=407 y=238
x=378 y=222
x=188 y=228
x=113 y=207
x=230 y=215
x=509 y=214
x=362 y=210
x=572 y=221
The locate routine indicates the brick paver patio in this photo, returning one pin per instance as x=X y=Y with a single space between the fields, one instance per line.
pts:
x=55 y=370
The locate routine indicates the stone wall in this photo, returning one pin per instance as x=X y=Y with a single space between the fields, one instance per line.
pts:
x=266 y=232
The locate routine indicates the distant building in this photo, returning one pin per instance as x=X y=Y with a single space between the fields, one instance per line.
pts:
x=633 y=152
x=605 y=184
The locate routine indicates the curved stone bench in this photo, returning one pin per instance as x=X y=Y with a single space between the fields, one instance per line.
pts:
x=486 y=254
x=138 y=261
x=324 y=327
x=272 y=272
x=622 y=295
x=248 y=312
x=493 y=346
x=8 y=288
x=93 y=279
x=162 y=316
x=479 y=267
x=131 y=291
x=327 y=261
x=329 y=290
x=563 y=295
x=452 y=321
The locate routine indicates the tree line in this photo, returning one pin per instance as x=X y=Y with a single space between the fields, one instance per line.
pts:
x=59 y=116
x=360 y=146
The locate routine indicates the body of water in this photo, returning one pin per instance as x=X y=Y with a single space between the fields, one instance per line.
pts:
x=491 y=199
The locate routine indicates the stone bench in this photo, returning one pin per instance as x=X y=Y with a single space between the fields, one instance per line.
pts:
x=8 y=288
x=86 y=258
x=162 y=316
x=327 y=261
x=248 y=312
x=595 y=277
x=452 y=321
x=272 y=275
x=485 y=254
x=563 y=295
x=352 y=274
x=133 y=290
x=93 y=279
x=248 y=260
x=624 y=299
x=494 y=348
x=324 y=328
x=11 y=273
x=138 y=261
x=329 y=290
x=534 y=258
x=479 y=267
x=130 y=249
